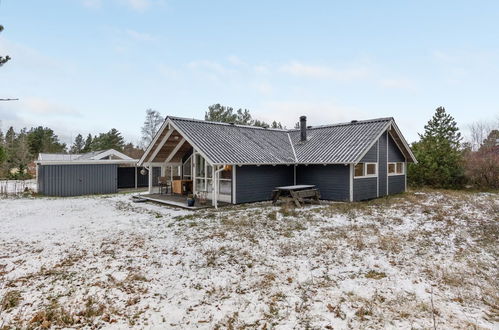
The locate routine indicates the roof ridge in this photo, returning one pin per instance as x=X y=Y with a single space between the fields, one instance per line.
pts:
x=352 y=122
x=227 y=124
x=281 y=129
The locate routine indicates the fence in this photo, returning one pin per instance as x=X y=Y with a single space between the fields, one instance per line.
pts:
x=16 y=187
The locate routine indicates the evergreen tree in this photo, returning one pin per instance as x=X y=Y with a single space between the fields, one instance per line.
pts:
x=109 y=140
x=3 y=152
x=3 y=59
x=3 y=156
x=43 y=139
x=259 y=123
x=220 y=113
x=87 y=147
x=153 y=122
x=491 y=140
x=18 y=154
x=276 y=125
x=78 y=145
x=440 y=159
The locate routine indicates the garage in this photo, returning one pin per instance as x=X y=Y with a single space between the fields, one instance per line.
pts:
x=98 y=172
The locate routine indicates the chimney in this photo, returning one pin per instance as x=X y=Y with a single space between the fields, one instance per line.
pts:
x=303 y=128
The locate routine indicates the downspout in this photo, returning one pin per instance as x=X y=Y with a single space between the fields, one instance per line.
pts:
x=149 y=169
x=217 y=183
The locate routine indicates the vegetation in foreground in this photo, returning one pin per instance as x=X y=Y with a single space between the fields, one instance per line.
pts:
x=421 y=259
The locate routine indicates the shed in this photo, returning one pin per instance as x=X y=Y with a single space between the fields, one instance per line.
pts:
x=97 y=172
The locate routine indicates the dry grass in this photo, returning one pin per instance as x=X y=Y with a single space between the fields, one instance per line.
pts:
x=340 y=265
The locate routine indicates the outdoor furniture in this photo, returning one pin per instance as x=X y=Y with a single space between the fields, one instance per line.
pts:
x=182 y=187
x=298 y=194
x=164 y=184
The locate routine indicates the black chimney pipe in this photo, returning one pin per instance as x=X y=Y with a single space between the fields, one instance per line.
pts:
x=303 y=128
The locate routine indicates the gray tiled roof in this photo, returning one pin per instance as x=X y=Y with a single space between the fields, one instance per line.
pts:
x=68 y=157
x=340 y=143
x=236 y=144
x=74 y=157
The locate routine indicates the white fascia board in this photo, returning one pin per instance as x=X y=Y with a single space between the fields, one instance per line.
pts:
x=193 y=145
x=292 y=147
x=175 y=150
x=288 y=164
x=404 y=142
x=111 y=152
x=156 y=137
x=84 y=162
x=373 y=142
x=161 y=144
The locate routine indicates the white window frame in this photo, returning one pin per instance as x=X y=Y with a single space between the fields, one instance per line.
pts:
x=365 y=175
x=395 y=164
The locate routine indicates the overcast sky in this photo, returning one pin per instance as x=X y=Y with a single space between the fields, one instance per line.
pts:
x=86 y=66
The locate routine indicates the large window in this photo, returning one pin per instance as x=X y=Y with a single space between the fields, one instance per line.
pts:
x=366 y=170
x=203 y=177
x=396 y=168
x=187 y=168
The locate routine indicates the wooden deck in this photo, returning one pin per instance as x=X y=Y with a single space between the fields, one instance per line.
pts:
x=176 y=201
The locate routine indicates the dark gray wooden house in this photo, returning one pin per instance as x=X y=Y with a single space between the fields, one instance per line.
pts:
x=352 y=161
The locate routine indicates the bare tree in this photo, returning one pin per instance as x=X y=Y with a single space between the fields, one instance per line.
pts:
x=151 y=126
x=478 y=132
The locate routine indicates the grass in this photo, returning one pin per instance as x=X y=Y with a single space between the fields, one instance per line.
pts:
x=10 y=300
x=259 y=266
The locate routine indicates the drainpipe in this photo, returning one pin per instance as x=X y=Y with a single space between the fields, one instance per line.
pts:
x=217 y=183
x=149 y=169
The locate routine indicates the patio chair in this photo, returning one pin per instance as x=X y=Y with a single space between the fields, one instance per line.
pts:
x=164 y=183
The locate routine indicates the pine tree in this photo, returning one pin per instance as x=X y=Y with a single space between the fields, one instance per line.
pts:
x=3 y=59
x=276 y=125
x=3 y=153
x=78 y=145
x=43 y=139
x=440 y=158
x=109 y=140
x=491 y=140
x=87 y=147
x=223 y=114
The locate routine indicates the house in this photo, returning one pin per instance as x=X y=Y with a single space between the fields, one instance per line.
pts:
x=352 y=161
x=96 y=172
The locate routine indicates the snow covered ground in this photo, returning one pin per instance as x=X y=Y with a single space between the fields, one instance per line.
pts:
x=404 y=262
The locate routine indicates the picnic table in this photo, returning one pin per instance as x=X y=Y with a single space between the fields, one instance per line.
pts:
x=297 y=193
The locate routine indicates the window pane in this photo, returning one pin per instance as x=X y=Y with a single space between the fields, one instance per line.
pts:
x=371 y=169
x=391 y=168
x=359 y=169
x=186 y=167
x=400 y=168
x=199 y=165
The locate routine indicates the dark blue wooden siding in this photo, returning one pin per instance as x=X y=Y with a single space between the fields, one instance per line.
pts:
x=394 y=153
x=396 y=184
x=255 y=183
x=382 y=165
x=371 y=156
x=365 y=189
x=333 y=181
x=76 y=180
